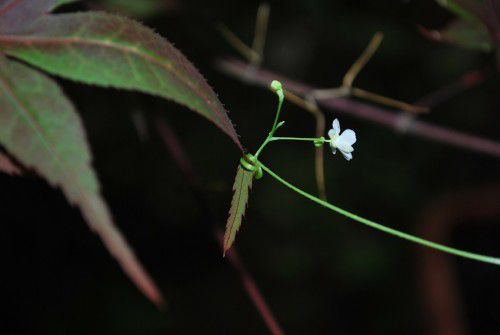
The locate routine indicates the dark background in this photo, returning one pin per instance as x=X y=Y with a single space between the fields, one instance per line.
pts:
x=320 y=273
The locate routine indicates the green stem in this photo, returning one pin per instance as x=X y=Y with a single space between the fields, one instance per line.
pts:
x=281 y=98
x=421 y=241
x=308 y=139
x=271 y=138
x=266 y=142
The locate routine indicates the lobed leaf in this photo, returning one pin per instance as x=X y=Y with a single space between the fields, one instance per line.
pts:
x=41 y=129
x=242 y=186
x=110 y=50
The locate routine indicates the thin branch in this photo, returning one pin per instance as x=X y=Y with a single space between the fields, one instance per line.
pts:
x=363 y=59
x=347 y=90
x=330 y=93
x=467 y=81
x=255 y=53
x=260 y=36
x=184 y=163
x=240 y=46
x=251 y=287
x=261 y=77
x=389 y=102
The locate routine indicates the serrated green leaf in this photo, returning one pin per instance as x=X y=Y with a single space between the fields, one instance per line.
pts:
x=41 y=129
x=242 y=186
x=110 y=50
x=463 y=33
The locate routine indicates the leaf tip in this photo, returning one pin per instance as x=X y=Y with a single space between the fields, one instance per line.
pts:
x=157 y=299
x=160 y=303
x=228 y=243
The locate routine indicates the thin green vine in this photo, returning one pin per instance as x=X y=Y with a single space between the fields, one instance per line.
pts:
x=254 y=164
x=378 y=226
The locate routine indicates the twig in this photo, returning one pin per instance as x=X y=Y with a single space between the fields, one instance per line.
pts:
x=347 y=90
x=362 y=60
x=389 y=102
x=259 y=38
x=261 y=77
x=240 y=46
x=184 y=163
x=251 y=287
x=465 y=82
x=255 y=53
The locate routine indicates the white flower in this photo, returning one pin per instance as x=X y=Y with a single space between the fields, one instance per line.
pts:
x=343 y=141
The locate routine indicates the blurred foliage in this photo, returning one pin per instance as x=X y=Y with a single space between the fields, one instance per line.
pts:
x=461 y=8
x=464 y=33
x=477 y=25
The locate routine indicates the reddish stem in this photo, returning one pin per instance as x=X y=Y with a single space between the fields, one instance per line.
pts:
x=176 y=149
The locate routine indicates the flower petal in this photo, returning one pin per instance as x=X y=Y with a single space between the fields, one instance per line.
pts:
x=336 y=126
x=348 y=136
x=331 y=133
x=343 y=145
x=334 y=149
x=347 y=155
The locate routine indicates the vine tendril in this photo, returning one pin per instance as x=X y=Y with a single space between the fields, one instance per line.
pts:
x=251 y=164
